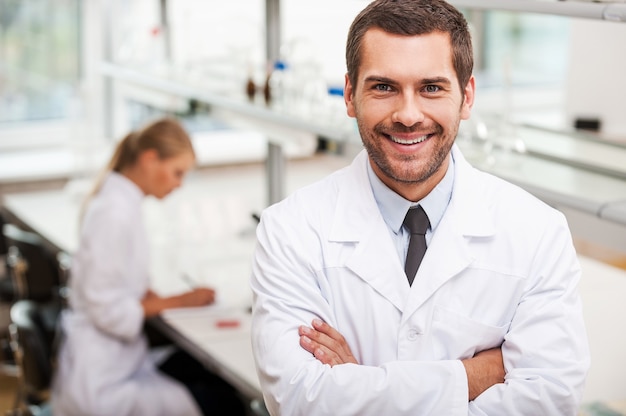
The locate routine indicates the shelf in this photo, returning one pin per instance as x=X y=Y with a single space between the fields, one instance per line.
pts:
x=584 y=175
x=558 y=184
x=614 y=12
x=280 y=127
x=175 y=82
x=598 y=156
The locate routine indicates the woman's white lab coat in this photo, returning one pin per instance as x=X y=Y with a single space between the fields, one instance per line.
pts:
x=104 y=364
x=500 y=270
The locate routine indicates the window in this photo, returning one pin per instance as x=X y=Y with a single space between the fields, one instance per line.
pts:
x=39 y=58
x=522 y=66
x=526 y=48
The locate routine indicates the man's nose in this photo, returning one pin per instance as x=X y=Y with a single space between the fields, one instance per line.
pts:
x=408 y=110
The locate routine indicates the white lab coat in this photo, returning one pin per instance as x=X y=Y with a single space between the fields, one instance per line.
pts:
x=104 y=366
x=500 y=269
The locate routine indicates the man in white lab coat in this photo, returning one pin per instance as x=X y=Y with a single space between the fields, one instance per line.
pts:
x=492 y=323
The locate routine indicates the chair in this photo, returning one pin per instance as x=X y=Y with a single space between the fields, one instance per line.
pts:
x=6 y=298
x=34 y=332
x=33 y=269
x=6 y=284
x=3 y=244
x=258 y=408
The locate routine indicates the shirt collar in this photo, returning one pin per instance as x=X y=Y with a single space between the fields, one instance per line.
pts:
x=393 y=207
x=119 y=182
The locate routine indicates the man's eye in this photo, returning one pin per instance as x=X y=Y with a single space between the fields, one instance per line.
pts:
x=382 y=87
x=431 y=88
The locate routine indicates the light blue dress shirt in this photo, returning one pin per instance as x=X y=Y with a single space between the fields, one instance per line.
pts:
x=394 y=207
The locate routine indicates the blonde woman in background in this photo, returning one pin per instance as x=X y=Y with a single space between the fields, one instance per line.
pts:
x=105 y=367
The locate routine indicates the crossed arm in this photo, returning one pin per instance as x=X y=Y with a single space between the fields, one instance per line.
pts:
x=483 y=370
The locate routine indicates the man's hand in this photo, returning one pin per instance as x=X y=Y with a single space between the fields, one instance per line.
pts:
x=325 y=343
x=484 y=369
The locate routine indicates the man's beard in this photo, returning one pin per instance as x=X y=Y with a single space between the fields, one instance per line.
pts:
x=373 y=138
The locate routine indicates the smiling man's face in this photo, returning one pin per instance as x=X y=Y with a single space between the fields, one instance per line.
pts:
x=408 y=107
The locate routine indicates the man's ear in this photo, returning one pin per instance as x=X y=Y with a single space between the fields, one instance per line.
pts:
x=348 y=97
x=468 y=98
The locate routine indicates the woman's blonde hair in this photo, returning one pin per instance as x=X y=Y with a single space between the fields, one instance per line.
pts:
x=165 y=135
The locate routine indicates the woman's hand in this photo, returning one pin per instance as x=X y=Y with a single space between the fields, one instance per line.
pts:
x=197 y=297
x=153 y=304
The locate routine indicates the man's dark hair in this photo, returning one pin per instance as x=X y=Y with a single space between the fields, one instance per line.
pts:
x=413 y=17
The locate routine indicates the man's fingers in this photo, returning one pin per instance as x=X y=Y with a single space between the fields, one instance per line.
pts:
x=323 y=354
x=320 y=337
x=328 y=330
x=307 y=343
x=317 y=339
x=325 y=343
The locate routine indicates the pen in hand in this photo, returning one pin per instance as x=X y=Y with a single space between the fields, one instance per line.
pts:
x=191 y=282
x=198 y=294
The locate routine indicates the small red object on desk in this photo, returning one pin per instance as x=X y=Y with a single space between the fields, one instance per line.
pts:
x=227 y=323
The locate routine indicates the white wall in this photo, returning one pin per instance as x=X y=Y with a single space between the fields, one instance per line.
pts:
x=596 y=84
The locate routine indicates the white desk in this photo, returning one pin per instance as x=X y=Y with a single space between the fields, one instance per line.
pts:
x=205 y=229
x=220 y=339
x=603 y=291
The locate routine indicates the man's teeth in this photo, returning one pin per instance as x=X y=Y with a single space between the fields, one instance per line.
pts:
x=412 y=141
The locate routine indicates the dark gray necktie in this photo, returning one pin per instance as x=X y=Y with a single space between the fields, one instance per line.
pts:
x=416 y=221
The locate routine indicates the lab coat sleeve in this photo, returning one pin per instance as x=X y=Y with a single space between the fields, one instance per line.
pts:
x=545 y=352
x=287 y=295
x=107 y=257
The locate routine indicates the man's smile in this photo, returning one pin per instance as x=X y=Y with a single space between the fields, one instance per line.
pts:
x=411 y=140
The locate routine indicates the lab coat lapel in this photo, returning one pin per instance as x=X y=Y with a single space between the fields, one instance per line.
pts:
x=449 y=252
x=357 y=220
